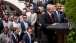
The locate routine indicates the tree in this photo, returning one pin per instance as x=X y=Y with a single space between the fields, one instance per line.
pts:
x=26 y=0
x=70 y=9
x=59 y=1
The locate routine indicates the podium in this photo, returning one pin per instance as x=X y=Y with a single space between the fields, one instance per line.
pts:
x=62 y=29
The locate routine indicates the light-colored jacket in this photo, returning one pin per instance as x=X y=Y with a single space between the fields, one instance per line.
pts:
x=11 y=18
x=3 y=40
x=17 y=25
x=21 y=18
x=10 y=25
x=31 y=18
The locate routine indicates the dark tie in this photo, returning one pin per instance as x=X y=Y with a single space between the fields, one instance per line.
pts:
x=6 y=21
x=6 y=38
x=51 y=18
x=16 y=39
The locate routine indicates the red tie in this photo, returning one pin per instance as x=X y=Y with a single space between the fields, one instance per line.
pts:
x=51 y=18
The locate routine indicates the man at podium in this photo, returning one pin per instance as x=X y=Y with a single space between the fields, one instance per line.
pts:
x=47 y=35
x=59 y=17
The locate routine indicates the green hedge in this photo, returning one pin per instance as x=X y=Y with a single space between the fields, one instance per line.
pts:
x=59 y=1
x=26 y=0
x=70 y=9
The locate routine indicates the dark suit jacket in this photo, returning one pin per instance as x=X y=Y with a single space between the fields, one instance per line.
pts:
x=1 y=26
x=14 y=40
x=40 y=19
x=39 y=28
x=47 y=35
x=47 y=19
x=26 y=39
x=23 y=26
x=62 y=16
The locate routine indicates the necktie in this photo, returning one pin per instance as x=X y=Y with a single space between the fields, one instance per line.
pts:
x=16 y=39
x=6 y=21
x=51 y=18
x=6 y=38
x=59 y=16
x=0 y=7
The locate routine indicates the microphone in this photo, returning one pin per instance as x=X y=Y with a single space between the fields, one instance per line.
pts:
x=66 y=20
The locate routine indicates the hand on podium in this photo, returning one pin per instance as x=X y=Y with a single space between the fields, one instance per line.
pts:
x=54 y=24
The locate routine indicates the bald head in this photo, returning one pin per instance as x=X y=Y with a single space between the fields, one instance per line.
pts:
x=23 y=12
x=31 y=7
x=50 y=8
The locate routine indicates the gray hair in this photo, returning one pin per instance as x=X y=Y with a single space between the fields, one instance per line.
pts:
x=41 y=8
x=49 y=6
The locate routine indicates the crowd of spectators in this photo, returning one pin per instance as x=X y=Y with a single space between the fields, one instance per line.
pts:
x=31 y=23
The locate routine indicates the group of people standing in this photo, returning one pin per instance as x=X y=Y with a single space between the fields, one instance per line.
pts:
x=51 y=16
x=31 y=23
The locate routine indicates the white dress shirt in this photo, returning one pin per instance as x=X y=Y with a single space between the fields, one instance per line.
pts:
x=26 y=24
x=49 y=13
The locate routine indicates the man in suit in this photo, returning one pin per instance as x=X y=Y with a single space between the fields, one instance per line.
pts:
x=16 y=24
x=15 y=13
x=7 y=23
x=34 y=6
x=32 y=17
x=15 y=35
x=59 y=16
x=24 y=25
x=5 y=37
x=27 y=8
x=39 y=4
x=28 y=37
x=23 y=13
x=40 y=23
x=47 y=35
